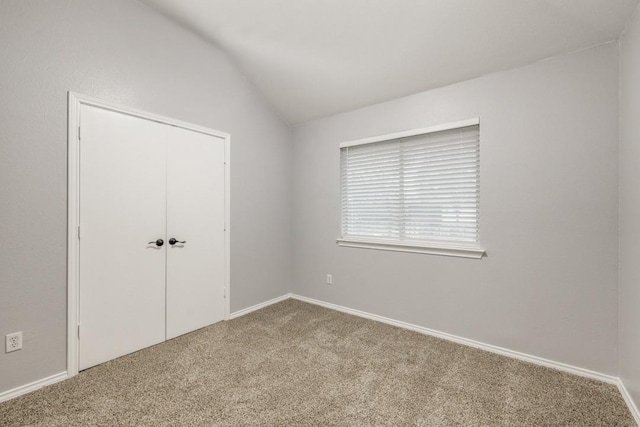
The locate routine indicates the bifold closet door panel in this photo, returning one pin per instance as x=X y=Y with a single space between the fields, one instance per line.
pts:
x=122 y=209
x=195 y=215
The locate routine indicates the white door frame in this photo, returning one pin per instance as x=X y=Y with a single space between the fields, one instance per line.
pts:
x=73 y=208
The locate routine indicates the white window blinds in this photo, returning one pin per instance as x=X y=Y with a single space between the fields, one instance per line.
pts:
x=422 y=188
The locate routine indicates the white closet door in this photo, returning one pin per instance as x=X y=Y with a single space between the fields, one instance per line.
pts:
x=195 y=214
x=122 y=208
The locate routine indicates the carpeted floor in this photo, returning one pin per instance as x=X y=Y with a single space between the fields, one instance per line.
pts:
x=298 y=364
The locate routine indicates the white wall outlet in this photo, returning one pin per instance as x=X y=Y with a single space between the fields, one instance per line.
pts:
x=329 y=279
x=13 y=342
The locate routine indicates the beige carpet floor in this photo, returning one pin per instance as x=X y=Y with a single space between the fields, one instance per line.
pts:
x=298 y=364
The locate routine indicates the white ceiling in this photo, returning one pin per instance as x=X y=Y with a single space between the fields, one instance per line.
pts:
x=314 y=58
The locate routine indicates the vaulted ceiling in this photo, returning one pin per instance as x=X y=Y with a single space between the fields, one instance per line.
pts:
x=313 y=58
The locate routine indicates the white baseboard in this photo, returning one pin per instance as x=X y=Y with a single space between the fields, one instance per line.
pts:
x=259 y=306
x=630 y=403
x=465 y=341
x=28 y=388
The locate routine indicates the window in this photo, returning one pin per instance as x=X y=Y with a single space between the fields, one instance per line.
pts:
x=415 y=191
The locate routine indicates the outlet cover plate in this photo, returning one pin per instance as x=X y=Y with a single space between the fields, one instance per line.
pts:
x=13 y=342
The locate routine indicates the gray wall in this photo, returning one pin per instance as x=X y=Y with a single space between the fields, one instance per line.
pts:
x=123 y=52
x=629 y=323
x=549 y=183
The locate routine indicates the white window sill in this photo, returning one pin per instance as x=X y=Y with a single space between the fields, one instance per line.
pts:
x=462 y=251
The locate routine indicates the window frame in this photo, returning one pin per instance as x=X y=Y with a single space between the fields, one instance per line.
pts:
x=465 y=250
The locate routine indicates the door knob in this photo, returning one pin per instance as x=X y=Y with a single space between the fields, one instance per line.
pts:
x=158 y=242
x=173 y=241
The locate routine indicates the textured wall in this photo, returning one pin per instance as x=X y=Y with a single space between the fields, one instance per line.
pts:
x=123 y=52
x=549 y=153
x=629 y=346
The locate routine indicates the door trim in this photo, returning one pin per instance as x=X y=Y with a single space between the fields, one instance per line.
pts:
x=75 y=101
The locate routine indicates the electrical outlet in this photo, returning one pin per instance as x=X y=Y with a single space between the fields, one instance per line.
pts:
x=329 y=279
x=13 y=342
